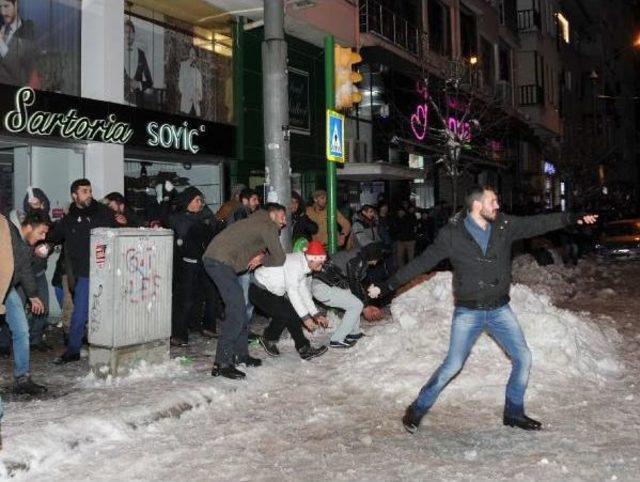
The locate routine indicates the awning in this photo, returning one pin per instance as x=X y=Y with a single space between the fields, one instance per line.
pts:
x=377 y=171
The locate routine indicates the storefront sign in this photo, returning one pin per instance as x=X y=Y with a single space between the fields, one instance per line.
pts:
x=25 y=112
x=299 y=109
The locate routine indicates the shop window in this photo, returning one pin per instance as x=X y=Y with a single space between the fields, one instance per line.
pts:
x=176 y=67
x=439 y=27
x=41 y=44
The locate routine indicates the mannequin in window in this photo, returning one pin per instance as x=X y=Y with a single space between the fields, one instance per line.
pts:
x=190 y=85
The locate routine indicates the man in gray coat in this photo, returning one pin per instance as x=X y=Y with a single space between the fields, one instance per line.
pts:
x=239 y=249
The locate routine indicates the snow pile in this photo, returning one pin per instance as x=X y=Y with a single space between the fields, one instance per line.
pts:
x=561 y=342
x=554 y=280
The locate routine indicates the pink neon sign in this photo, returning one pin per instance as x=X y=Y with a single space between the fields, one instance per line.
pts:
x=419 y=120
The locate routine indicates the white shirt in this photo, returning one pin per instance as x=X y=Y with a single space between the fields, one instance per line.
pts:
x=4 y=42
x=291 y=279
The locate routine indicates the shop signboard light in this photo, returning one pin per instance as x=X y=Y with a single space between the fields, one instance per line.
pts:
x=25 y=112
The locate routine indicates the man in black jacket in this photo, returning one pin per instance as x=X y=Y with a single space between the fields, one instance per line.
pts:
x=478 y=245
x=195 y=226
x=74 y=229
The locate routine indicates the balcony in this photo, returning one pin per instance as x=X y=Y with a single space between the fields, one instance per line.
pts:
x=529 y=20
x=530 y=95
x=383 y=22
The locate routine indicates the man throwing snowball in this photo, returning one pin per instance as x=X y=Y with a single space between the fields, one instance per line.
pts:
x=478 y=245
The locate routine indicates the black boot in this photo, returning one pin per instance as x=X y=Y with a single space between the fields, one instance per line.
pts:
x=228 y=371
x=24 y=385
x=67 y=358
x=521 y=421
x=411 y=420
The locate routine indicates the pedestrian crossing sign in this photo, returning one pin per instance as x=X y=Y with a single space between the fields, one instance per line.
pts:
x=335 y=136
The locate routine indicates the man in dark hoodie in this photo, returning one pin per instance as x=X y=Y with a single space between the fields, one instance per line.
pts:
x=239 y=249
x=74 y=229
x=36 y=201
x=194 y=225
x=34 y=229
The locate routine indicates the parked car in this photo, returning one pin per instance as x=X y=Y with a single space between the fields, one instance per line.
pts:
x=619 y=240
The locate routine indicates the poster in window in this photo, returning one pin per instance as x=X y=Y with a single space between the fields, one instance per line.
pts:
x=40 y=44
x=299 y=113
x=169 y=68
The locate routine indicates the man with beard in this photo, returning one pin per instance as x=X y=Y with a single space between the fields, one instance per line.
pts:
x=478 y=245
x=74 y=229
x=239 y=249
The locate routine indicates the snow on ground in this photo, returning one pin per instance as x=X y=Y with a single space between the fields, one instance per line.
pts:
x=337 y=417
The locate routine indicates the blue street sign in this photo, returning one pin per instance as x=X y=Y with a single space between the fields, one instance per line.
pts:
x=335 y=136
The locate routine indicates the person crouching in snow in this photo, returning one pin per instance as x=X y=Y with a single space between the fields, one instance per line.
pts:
x=340 y=284
x=283 y=293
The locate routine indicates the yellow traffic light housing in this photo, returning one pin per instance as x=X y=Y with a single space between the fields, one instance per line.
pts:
x=345 y=77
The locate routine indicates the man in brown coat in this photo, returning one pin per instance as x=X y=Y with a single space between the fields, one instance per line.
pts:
x=239 y=249
x=318 y=214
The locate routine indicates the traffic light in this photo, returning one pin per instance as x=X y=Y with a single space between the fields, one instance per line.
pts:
x=345 y=77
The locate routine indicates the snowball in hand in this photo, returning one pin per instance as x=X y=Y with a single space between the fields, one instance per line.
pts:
x=373 y=291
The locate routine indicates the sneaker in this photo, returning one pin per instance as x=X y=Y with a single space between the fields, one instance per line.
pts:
x=175 y=341
x=308 y=352
x=229 y=371
x=342 y=344
x=24 y=385
x=67 y=358
x=269 y=346
x=355 y=337
x=410 y=420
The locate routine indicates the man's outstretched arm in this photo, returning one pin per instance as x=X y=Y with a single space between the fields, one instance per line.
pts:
x=530 y=226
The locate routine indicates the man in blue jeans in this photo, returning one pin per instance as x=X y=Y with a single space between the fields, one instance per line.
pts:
x=34 y=229
x=478 y=245
x=74 y=229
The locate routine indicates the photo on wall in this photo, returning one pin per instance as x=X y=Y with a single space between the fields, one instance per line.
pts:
x=144 y=84
x=40 y=44
x=169 y=68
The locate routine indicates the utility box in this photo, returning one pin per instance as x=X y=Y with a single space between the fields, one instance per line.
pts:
x=129 y=298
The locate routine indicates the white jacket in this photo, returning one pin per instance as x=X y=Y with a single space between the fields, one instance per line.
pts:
x=291 y=279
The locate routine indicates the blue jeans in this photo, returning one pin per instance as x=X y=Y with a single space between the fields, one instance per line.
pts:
x=17 y=320
x=79 y=316
x=501 y=324
x=245 y=281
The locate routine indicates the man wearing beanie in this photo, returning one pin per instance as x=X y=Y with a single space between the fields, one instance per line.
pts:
x=241 y=248
x=195 y=226
x=284 y=294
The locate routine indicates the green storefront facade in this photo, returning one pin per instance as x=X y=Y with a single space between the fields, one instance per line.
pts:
x=306 y=110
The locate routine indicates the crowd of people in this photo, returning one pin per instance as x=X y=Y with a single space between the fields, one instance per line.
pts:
x=232 y=262
x=225 y=264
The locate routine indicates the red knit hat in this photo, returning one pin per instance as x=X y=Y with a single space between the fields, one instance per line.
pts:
x=315 y=251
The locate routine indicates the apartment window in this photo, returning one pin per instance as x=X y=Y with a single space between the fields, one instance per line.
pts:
x=563 y=27
x=504 y=63
x=468 y=33
x=488 y=62
x=439 y=27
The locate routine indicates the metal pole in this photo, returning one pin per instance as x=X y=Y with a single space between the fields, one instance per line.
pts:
x=332 y=183
x=238 y=97
x=275 y=94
